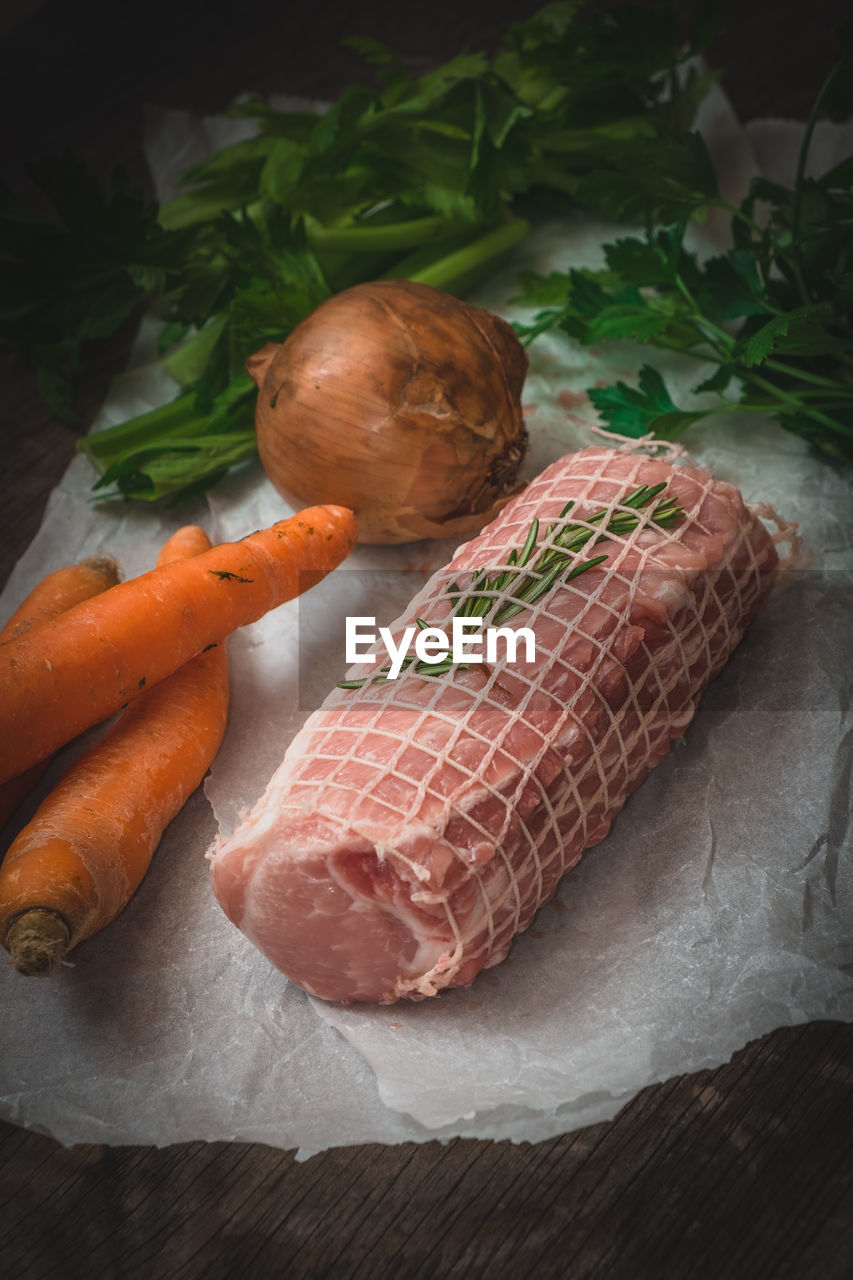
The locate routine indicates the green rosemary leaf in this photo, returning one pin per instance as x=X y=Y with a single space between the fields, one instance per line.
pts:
x=556 y=562
x=527 y=549
x=583 y=567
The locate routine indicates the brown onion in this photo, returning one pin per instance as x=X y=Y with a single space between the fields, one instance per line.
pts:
x=399 y=401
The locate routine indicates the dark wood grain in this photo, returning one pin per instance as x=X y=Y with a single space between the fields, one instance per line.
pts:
x=743 y=1171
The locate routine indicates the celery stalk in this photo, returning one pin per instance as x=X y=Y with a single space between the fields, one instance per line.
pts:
x=465 y=266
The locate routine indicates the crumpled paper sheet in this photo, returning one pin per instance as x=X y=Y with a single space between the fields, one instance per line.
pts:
x=718 y=909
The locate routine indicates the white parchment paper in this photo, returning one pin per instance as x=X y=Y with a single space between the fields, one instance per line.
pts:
x=719 y=908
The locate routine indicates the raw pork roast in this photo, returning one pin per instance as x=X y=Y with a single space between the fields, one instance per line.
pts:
x=415 y=826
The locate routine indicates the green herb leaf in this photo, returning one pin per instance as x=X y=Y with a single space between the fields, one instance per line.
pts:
x=805 y=327
x=247 y=249
x=774 y=315
x=68 y=283
x=499 y=598
x=662 y=179
x=637 y=412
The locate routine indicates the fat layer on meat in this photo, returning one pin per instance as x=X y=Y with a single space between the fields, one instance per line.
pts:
x=415 y=826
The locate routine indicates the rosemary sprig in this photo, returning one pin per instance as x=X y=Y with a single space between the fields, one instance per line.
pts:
x=557 y=561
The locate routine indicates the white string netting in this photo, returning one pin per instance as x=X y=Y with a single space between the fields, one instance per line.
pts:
x=455 y=803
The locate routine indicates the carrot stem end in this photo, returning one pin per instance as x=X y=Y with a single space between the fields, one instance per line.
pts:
x=37 y=941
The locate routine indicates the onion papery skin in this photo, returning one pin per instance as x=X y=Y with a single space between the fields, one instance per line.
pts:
x=399 y=401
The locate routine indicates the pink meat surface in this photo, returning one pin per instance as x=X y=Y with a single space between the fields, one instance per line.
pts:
x=415 y=826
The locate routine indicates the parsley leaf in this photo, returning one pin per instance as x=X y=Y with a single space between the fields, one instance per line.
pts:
x=774 y=314
x=632 y=412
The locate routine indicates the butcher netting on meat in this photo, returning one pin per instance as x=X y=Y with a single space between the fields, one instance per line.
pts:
x=416 y=825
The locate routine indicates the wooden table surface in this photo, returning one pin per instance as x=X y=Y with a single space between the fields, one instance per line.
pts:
x=742 y=1171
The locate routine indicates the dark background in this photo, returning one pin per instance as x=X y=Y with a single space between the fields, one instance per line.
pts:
x=743 y=1171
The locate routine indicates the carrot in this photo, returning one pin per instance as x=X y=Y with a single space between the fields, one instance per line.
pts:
x=74 y=867
x=77 y=670
x=59 y=591
x=50 y=597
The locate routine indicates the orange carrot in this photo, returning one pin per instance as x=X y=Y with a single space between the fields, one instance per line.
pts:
x=74 y=867
x=74 y=672
x=50 y=597
x=59 y=591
